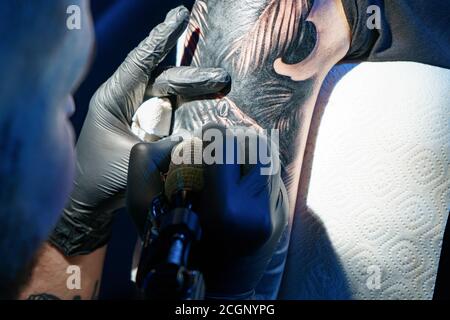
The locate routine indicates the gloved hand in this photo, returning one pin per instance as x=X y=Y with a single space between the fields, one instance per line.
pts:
x=242 y=213
x=148 y=162
x=104 y=146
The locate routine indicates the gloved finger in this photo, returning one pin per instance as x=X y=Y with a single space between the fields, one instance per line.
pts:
x=222 y=155
x=148 y=161
x=189 y=82
x=158 y=44
x=128 y=84
x=263 y=169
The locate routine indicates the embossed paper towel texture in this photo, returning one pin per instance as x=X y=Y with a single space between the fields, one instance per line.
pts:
x=375 y=191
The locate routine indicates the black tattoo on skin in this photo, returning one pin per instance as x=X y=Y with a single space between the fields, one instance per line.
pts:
x=255 y=41
x=47 y=296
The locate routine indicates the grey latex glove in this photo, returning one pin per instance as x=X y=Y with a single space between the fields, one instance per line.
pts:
x=104 y=146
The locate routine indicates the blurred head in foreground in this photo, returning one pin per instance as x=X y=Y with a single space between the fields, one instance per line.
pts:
x=43 y=60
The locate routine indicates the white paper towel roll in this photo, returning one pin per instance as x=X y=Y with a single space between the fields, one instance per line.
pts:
x=375 y=192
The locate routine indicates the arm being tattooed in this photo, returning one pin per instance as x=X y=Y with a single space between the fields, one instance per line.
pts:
x=278 y=53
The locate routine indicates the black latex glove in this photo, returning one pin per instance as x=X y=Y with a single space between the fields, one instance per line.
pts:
x=243 y=214
x=104 y=146
x=148 y=161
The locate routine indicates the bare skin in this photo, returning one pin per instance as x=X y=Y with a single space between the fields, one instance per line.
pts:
x=52 y=262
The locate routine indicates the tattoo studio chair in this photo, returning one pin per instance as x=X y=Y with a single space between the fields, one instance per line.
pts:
x=375 y=189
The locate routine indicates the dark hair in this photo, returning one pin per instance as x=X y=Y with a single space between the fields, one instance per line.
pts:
x=17 y=245
x=10 y=287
